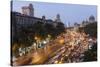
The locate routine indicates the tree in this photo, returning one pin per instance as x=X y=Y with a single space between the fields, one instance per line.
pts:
x=91 y=29
x=91 y=54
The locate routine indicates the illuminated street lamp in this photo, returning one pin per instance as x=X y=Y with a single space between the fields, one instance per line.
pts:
x=49 y=36
x=44 y=42
x=35 y=46
x=35 y=37
x=61 y=41
x=37 y=41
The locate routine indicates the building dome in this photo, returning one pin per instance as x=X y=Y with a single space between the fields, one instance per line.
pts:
x=58 y=18
x=30 y=5
x=43 y=17
x=91 y=18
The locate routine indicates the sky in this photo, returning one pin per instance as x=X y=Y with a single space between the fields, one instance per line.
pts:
x=69 y=13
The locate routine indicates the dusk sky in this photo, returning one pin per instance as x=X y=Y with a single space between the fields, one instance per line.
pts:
x=68 y=12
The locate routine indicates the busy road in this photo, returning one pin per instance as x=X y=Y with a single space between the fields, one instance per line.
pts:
x=67 y=47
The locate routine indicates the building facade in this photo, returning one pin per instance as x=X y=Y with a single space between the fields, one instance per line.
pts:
x=27 y=19
x=28 y=10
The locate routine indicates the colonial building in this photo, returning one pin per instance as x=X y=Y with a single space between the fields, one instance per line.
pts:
x=27 y=19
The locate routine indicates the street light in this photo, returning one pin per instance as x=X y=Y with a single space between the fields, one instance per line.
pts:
x=61 y=41
x=44 y=42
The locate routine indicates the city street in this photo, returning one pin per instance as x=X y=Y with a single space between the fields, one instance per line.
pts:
x=52 y=35
x=67 y=47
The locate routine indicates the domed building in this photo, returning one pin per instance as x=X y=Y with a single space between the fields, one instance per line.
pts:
x=58 y=18
x=91 y=18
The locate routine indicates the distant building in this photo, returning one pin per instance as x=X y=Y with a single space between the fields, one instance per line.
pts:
x=91 y=18
x=28 y=10
x=43 y=19
x=20 y=21
x=58 y=18
x=27 y=19
x=24 y=20
x=84 y=23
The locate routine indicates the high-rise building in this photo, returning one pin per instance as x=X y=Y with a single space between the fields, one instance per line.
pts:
x=28 y=10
